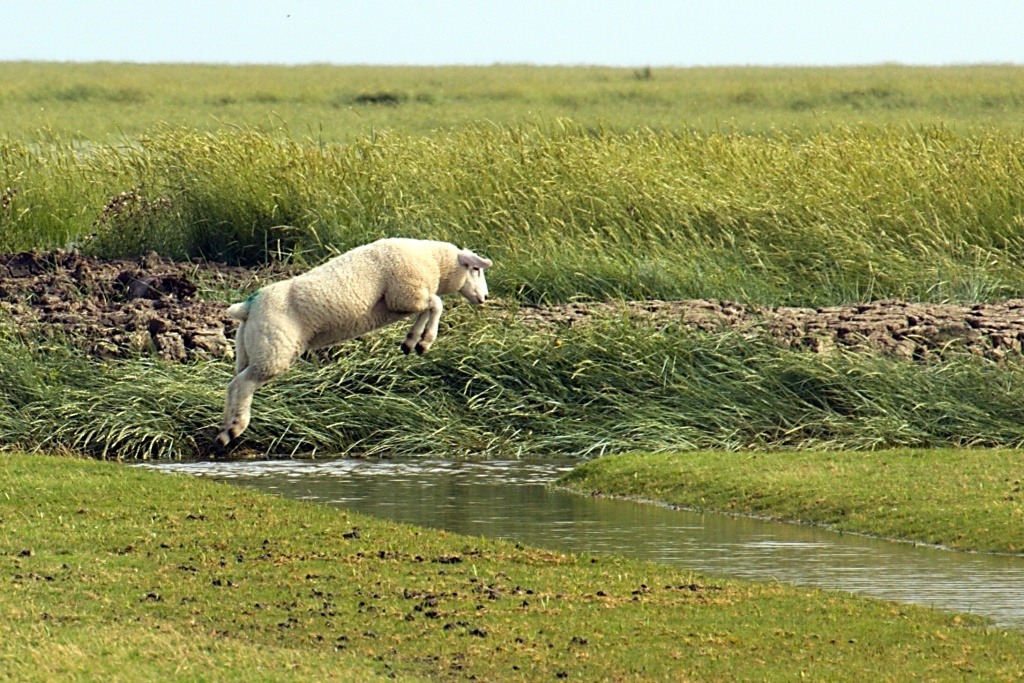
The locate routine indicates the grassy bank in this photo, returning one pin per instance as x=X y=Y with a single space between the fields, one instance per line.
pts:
x=492 y=387
x=881 y=182
x=122 y=574
x=789 y=218
x=966 y=498
x=340 y=103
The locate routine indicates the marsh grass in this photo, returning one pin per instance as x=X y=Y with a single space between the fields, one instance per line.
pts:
x=494 y=388
x=969 y=499
x=114 y=573
x=789 y=218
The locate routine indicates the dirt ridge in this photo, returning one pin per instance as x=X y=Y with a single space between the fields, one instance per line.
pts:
x=118 y=308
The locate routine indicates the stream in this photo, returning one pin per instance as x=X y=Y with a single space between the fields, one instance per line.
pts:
x=513 y=500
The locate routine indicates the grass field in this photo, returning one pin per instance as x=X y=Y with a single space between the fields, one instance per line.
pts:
x=112 y=573
x=104 y=102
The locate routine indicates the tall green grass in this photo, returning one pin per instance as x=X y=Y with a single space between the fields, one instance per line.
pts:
x=491 y=387
x=565 y=212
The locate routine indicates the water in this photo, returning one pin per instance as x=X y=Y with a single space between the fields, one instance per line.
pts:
x=511 y=500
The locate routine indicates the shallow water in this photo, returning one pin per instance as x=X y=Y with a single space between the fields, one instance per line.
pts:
x=512 y=500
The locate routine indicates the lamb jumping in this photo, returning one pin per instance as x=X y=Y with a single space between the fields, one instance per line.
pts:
x=363 y=289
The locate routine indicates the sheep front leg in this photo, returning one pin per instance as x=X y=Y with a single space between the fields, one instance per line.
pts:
x=423 y=332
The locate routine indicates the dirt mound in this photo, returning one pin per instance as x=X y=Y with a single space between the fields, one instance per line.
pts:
x=152 y=305
x=121 y=307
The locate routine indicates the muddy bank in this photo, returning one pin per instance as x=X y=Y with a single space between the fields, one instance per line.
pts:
x=115 y=308
x=905 y=329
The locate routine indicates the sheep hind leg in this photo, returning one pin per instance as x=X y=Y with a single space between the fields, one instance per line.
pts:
x=238 y=406
x=241 y=353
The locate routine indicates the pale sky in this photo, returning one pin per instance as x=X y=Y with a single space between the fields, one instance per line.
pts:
x=627 y=33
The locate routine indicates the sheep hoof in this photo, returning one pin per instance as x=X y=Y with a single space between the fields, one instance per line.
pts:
x=223 y=439
x=421 y=349
x=406 y=350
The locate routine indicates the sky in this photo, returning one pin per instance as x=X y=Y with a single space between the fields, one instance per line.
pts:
x=570 y=32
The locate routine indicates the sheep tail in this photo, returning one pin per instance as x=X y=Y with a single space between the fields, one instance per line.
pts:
x=240 y=311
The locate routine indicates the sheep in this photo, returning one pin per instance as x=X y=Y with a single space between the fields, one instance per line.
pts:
x=359 y=291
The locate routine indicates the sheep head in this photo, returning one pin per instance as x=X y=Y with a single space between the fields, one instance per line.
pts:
x=475 y=286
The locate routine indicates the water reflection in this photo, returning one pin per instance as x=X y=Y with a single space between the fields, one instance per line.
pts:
x=511 y=500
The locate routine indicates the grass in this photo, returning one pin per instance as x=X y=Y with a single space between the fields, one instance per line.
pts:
x=789 y=218
x=968 y=499
x=120 y=574
x=495 y=388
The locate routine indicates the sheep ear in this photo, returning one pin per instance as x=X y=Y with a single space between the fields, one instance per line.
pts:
x=471 y=260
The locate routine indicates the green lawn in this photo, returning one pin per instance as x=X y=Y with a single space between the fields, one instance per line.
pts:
x=113 y=573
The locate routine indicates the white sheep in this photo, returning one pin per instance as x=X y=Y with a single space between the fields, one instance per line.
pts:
x=363 y=289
